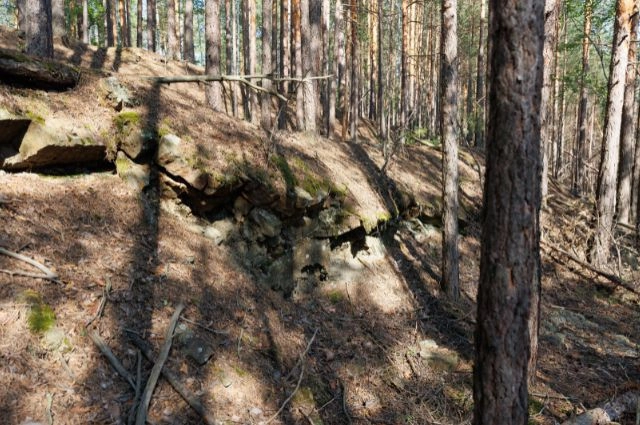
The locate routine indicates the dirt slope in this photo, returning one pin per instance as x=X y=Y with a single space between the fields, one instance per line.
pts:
x=385 y=347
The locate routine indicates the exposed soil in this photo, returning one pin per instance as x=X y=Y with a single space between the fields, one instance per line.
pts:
x=379 y=343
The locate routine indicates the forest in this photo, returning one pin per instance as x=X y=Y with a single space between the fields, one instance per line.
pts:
x=320 y=212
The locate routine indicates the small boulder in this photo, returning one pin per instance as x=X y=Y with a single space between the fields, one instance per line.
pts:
x=219 y=231
x=266 y=223
x=170 y=158
x=136 y=175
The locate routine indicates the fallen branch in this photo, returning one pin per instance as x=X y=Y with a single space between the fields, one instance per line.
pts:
x=104 y=348
x=48 y=273
x=302 y=356
x=609 y=412
x=145 y=399
x=103 y=302
x=284 y=404
x=173 y=380
x=613 y=278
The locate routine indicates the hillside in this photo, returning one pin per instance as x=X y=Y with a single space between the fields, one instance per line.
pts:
x=304 y=270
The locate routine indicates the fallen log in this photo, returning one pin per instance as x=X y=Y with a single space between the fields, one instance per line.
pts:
x=611 y=277
x=26 y=71
x=609 y=412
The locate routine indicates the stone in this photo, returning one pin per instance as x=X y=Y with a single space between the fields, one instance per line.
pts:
x=279 y=275
x=241 y=208
x=117 y=94
x=27 y=144
x=301 y=198
x=170 y=158
x=266 y=223
x=136 y=175
x=219 y=231
x=312 y=254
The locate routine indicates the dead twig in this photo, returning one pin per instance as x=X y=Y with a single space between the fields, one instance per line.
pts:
x=48 y=273
x=613 y=278
x=103 y=302
x=302 y=356
x=173 y=380
x=145 y=399
x=104 y=348
x=295 y=390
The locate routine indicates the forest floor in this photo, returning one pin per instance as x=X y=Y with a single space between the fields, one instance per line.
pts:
x=377 y=344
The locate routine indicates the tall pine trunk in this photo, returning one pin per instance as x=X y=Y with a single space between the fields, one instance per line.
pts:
x=609 y=160
x=188 y=48
x=449 y=132
x=285 y=61
x=267 y=21
x=628 y=136
x=212 y=61
x=510 y=260
x=151 y=25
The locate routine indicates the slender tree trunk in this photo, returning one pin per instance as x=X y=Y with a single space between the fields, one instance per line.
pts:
x=57 y=16
x=38 y=31
x=583 y=106
x=380 y=94
x=110 y=22
x=353 y=101
x=546 y=106
x=636 y=179
x=151 y=25
x=121 y=24
x=558 y=139
x=628 y=136
x=173 y=51
x=326 y=59
x=212 y=62
x=480 y=72
x=139 y=23
x=85 y=21
x=267 y=21
x=310 y=15
x=339 y=64
x=606 y=190
x=404 y=66
x=510 y=260
x=188 y=48
x=449 y=131
x=285 y=61
x=250 y=54
x=296 y=23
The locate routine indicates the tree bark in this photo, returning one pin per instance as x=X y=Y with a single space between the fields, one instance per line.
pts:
x=188 y=50
x=265 y=99
x=212 y=61
x=173 y=51
x=353 y=101
x=510 y=259
x=404 y=65
x=628 y=135
x=57 y=16
x=480 y=71
x=151 y=25
x=380 y=94
x=310 y=26
x=38 y=31
x=285 y=61
x=607 y=176
x=249 y=43
x=449 y=132
x=112 y=30
x=85 y=21
x=139 y=22
x=583 y=105
x=296 y=24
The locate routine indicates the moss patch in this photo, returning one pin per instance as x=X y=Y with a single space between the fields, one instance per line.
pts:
x=126 y=120
x=41 y=317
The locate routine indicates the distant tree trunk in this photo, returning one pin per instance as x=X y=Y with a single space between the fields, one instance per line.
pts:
x=311 y=55
x=21 y=5
x=173 y=51
x=85 y=21
x=546 y=105
x=285 y=61
x=628 y=135
x=249 y=43
x=557 y=95
x=212 y=62
x=267 y=22
x=233 y=50
x=296 y=24
x=151 y=25
x=404 y=66
x=57 y=15
x=188 y=50
x=636 y=180
x=38 y=31
x=606 y=190
x=122 y=24
x=326 y=59
x=583 y=106
x=381 y=118
x=354 y=98
x=338 y=65
x=510 y=260
x=449 y=132
x=110 y=13
x=480 y=72
x=139 y=23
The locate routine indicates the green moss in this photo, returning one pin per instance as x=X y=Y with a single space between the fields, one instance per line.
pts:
x=240 y=371
x=35 y=117
x=122 y=165
x=283 y=166
x=165 y=128
x=335 y=296
x=41 y=317
x=126 y=120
